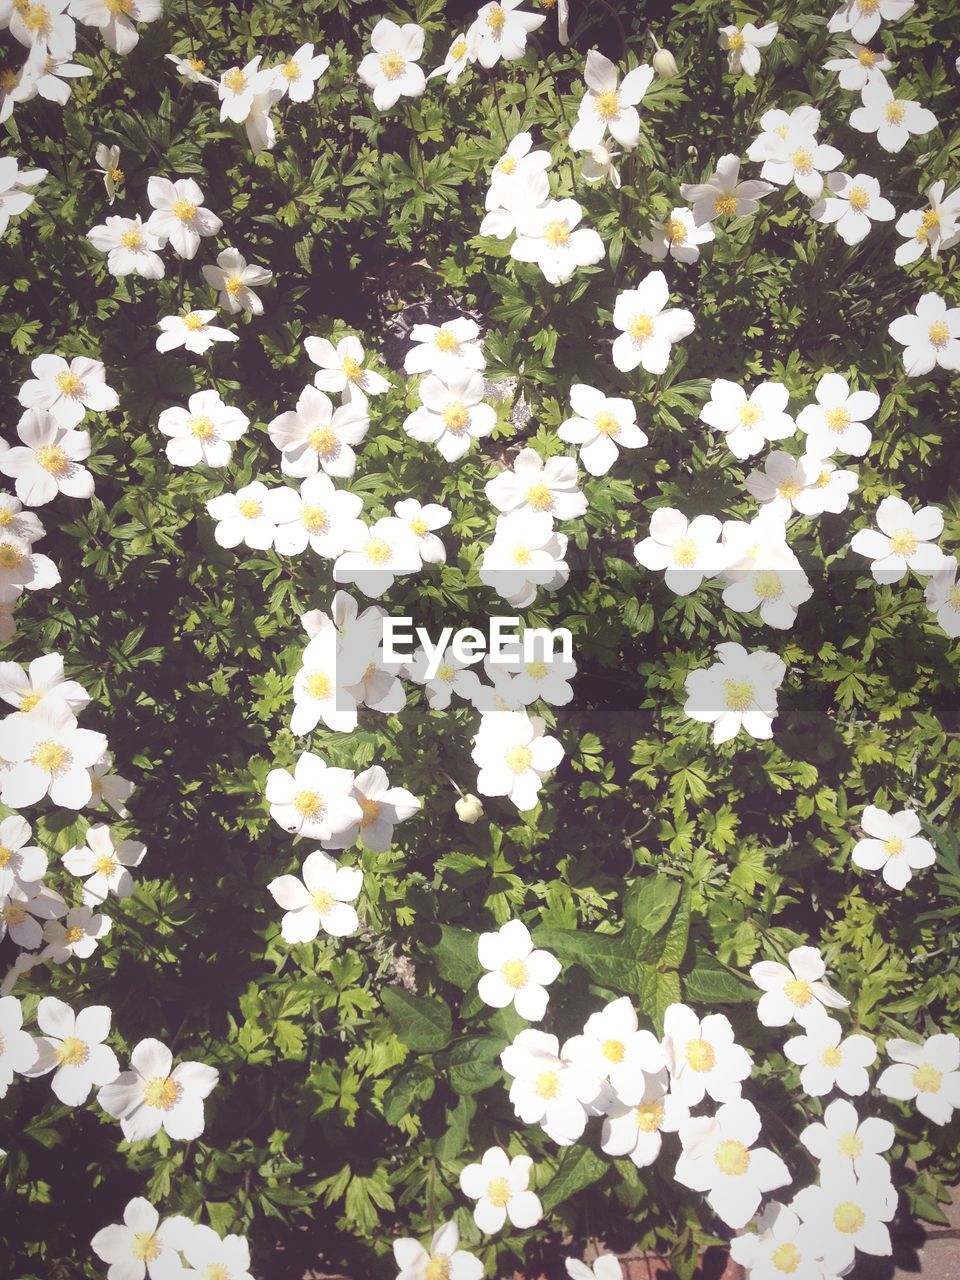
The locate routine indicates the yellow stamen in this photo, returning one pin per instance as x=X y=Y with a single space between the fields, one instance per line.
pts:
x=518 y=759
x=700 y=1055
x=848 y=1217
x=732 y=1158
x=515 y=974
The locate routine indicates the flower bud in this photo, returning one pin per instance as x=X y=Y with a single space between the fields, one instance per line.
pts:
x=665 y=64
x=469 y=809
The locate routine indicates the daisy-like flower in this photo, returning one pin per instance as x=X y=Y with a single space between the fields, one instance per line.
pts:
x=130 y=245
x=762 y=572
x=103 y=863
x=781 y=1246
x=453 y=676
x=904 y=541
x=240 y=88
x=297 y=77
x=893 y=120
x=549 y=236
x=259 y=125
x=931 y=336
x=19 y=861
x=702 y=1056
x=942 y=596
x=315 y=801
x=326 y=521
x=454 y=413
x=236 y=279
x=454 y=64
x=116 y=18
x=376 y=556
x=67 y=390
x=108 y=787
x=608 y=105
x=720 y=1160
x=862 y=18
x=599 y=164
x=928 y=1074
x=782 y=481
x=518 y=182
x=319 y=901
x=191 y=69
x=835 y=424
x=790 y=151
x=514 y=755
x=44 y=22
x=72 y=1047
x=391 y=70
x=635 y=1129
x=18 y=1050
x=845 y=1214
x=154 y=1094
x=537 y=485
x=859 y=67
x=209 y=1256
x=743 y=44
x=342 y=370
x=382 y=806
x=798 y=993
x=936 y=227
x=613 y=1047
x=689 y=550
x=829 y=1061
x=49 y=460
x=500 y=30
x=679 y=236
x=15 y=522
x=549 y=1089
x=41 y=687
x=443 y=1260
x=315 y=435
x=320 y=686
x=648 y=327
x=723 y=195
x=48 y=755
x=142 y=1246
x=179 y=216
x=748 y=422
x=421 y=520
x=193 y=331
x=854 y=204
x=517 y=973
x=447 y=349
x=547 y=675
x=525 y=554
x=77 y=934
x=894 y=846
x=500 y=1187
x=21 y=911
x=738 y=692
x=22 y=569
x=845 y=1140
x=252 y=515
x=203 y=432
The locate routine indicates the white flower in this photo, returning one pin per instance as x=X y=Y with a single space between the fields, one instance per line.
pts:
x=859 y=67
x=807 y=485
x=936 y=227
x=893 y=120
x=894 y=846
x=549 y=1089
x=143 y=1246
x=762 y=572
x=790 y=151
x=738 y=692
x=18 y=1050
x=315 y=435
x=13 y=199
x=453 y=414
x=130 y=245
x=606 y=1267
x=548 y=235
x=156 y=1095
x=780 y=1247
x=382 y=807
x=23 y=907
x=453 y=677
x=689 y=550
x=342 y=370
x=376 y=556
x=42 y=686
x=191 y=69
x=634 y=1129
x=179 y=216
x=599 y=164
x=743 y=45
x=846 y=1140
x=326 y=520
x=48 y=754
x=19 y=862
x=647 y=330
x=854 y=205
x=193 y=331
x=702 y=1056
x=240 y=89
x=297 y=77
x=320 y=901
x=942 y=596
x=679 y=236
x=720 y=1160
x=931 y=336
x=72 y=1047
x=210 y=1257
x=500 y=1187
x=17 y=523
x=905 y=540
x=391 y=70
x=795 y=994
x=235 y=279
x=319 y=687
x=44 y=22
x=928 y=1073
x=862 y=18
x=259 y=125
x=723 y=194
x=442 y=1261
x=613 y=1047
x=454 y=65
x=830 y=1062
x=48 y=461
x=315 y=801
x=109 y=788
x=835 y=423
x=603 y=425
x=525 y=555
x=421 y=520
x=500 y=31
x=67 y=390
x=748 y=422
x=514 y=756
x=609 y=106
x=203 y=432
x=22 y=569
x=517 y=974
x=537 y=485
x=546 y=676
x=77 y=934
x=518 y=182
x=845 y=1214
x=447 y=350
x=252 y=515
x=104 y=863
x=116 y=20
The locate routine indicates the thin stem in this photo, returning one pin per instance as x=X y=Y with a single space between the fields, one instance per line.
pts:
x=496 y=101
x=623 y=33
x=416 y=147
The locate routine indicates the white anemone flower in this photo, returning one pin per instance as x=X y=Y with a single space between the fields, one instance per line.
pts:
x=259 y=125
x=894 y=846
x=422 y=519
x=316 y=436
x=47 y=754
x=719 y=1159
x=297 y=76
x=321 y=900
x=377 y=555
x=116 y=18
x=526 y=554
x=193 y=331
x=648 y=327
x=203 y=432
x=904 y=540
x=601 y=427
x=23 y=569
x=609 y=105
x=252 y=515
x=748 y=422
x=862 y=18
x=518 y=182
x=341 y=369
x=606 y=1267
x=68 y=390
x=599 y=165
x=18 y=1049
x=78 y=934
x=500 y=1187
x=790 y=152
x=743 y=45
x=931 y=336
x=936 y=227
x=154 y=1094
x=780 y=1247
x=235 y=279
x=846 y=1214
x=391 y=70
x=942 y=596
x=546 y=675
x=548 y=1088
x=537 y=485
x=446 y=349
x=795 y=994
x=894 y=120
x=103 y=864
x=320 y=688
x=48 y=462
x=549 y=236
x=835 y=424
x=443 y=1260
x=22 y=910
x=241 y=87
x=613 y=1047
x=845 y=1140
x=326 y=521
x=130 y=245
x=737 y=692
x=179 y=215
x=689 y=550
x=723 y=195
x=829 y=1061
x=143 y=1246
x=108 y=788
x=635 y=1130
x=382 y=807
x=761 y=571
x=191 y=69
x=807 y=485
x=455 y=62
x=15 y=522
x=454 y=413
x=517 y=972
x=45 y=22
x=500 y=30
x=854 y=204
x=927 y=1074
x=679 y=236
x=315 y=801
x=859 y=67
x=514 y=755
x=702 y=1057
x=210 y=1257
x=42 y=686
x=20 y=862
x=71 y=1046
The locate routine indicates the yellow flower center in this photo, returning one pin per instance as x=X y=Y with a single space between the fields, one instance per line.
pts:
x=52 y=459
x=115 y=176
x=537 y=670
x=894 y=846
x=50 y=756
x=798 y=992
x=786 y=1258
x=162 y=1093
x=739 y=694
x=850 y=1145
x=455 y=416
x=938 y=333
x=202 y=428
x=649 y=1116
x=308 y=804
x=700 y=1055
x=68 y=383
x=954 y=596
x=607 y=104
x=315 y=519
x=370 y=809
x=802 y=160
x=132 y=238
x=507 y=164
x=419 y=526
x=866 y=57
x=606 y=424
x=458 y=50
x=767 y=584
x=895 y=112
x=6 y=517
x=193 y=321
x=438 y=1268
x=868 y=6
x=931 y=220
x=518 y=759
x=927 y=1079
x=184 y=210
x=547 y=1085
x=725 y=205
x=675 y=231
x=614 y=1050
x=145 y=1246
x=732 y=1158
x=322 y=901
x=74 y=934
x=736 y=41
x=30 y=700
x=392 y=64
x=556 y=232
x=72 y=1052
x=14 y=913
x=233 y=285
x=319 y=686
x=291 y=70
x=848 y=1218
x=640 y=328
x=251 y=509
x=216 y=1271
x=749 y=415
x=837 y=419
x=539 y=497
x=116 y=7
x=235 y=80
x=496 y=18
x=352 y=368
x=324 y=441
x=6 y=856
x=378 y=551
x=903 y=543
x=10 y=557
x=521 y=556
x=445 y=673
x=832 y=1057
x=515 y=974
x=105 y=865
x=498 y=1192
x=446 y=341
x=197 y=64
x=9 y=79
x=37 y=19
x=859 y=199
x=789 y=488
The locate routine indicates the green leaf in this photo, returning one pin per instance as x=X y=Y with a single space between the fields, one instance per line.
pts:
x=649 y=903
x=420 y=1023
x=473 y=1064
x=610 y=959
x=579 y=1167
x=456 y=956
x=708 y=982
x=416 y=1083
